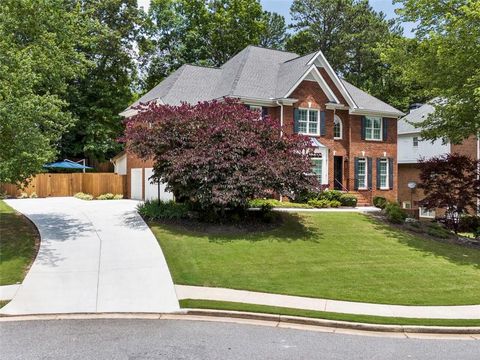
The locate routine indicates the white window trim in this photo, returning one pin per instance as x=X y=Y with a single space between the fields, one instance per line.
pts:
x=308 y=121
x=366 y=173
x=336 y=117
x=422 y=211
x=387 y=186
x=404 y=205
x=381 y=128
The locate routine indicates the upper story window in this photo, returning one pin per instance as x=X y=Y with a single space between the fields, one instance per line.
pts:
x=415 y=141
x=337 y=128
x=373 y=128
x=308 y=122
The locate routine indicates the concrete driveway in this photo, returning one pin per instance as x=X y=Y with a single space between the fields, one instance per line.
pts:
x=95 y=256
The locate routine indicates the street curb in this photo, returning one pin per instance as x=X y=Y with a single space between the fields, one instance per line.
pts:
x=337 y=324
x=276 y=320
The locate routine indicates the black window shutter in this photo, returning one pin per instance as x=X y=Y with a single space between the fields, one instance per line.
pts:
x=323 y=129
x=264 y=112
x=363 y=131
x=378 y=173
x=369 y=169
x=385 y=128
x=295 y=119
x=355 y=172
x=390 y=173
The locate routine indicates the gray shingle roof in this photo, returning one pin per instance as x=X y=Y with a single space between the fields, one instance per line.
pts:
x=367 y=101
x=415 y=116
x=254 y=72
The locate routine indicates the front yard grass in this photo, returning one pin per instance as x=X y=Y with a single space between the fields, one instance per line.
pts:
x=345 y=256
x=225 y=305
x=17 y=245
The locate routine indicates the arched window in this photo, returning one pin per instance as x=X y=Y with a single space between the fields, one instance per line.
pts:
x=337 y=128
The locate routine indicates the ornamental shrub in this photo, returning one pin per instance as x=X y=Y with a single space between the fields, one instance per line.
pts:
x=162 y=210
x=107 y=196
x=83 y=196
x=217 y=155
x=348 y=200
x=469 y=223
x=380 y=202
x=331 y=195
x=395 y=214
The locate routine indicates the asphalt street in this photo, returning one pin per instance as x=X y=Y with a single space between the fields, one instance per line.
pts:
x=177 y=339
x=180 y=339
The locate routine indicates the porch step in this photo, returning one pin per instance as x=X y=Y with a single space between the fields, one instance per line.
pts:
x=362 y=200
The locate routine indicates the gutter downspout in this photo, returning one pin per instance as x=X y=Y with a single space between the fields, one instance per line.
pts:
x=281 y=126
x=281 y=117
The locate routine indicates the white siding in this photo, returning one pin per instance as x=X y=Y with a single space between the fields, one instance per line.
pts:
x=121 y=165
x=407 y=153
x=136 y=183
x=151 y=188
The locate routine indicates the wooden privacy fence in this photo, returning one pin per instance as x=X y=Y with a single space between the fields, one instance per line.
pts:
x=45 y=185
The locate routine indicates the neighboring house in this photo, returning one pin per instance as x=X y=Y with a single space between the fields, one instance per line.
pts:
x=354 y=133
x=411 y=147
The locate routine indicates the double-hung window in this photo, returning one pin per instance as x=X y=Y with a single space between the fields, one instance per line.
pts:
x=308 y=122
x=373 y=128
x=383 y=173
x=317 y=168
x=362 y=173
x=415 y=141
x=337 y=128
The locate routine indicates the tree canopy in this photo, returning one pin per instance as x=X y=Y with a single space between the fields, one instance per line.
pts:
x=204 y=33
x=219 y=155
x=38 y=60
x=446 y=63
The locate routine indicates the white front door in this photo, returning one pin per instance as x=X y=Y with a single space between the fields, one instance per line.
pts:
x=136 y=183
x=152 y=189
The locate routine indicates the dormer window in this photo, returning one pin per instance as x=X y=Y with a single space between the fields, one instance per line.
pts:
x=337 y=128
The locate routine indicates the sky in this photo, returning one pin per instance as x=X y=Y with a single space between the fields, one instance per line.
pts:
x=283 y=8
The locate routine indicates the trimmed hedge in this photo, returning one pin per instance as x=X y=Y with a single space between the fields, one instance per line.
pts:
x=162 y=210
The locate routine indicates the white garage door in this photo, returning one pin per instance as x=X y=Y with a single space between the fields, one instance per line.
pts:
x=151 y=188
x=136 y=184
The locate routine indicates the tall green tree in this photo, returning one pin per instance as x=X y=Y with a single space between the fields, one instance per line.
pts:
x=275 y=35
x=97 y=98
x=447 y=63
x=38 y=59
x=348 y=32
x=203 y=32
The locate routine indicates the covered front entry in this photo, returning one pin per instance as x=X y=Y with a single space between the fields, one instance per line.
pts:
x=338 y=172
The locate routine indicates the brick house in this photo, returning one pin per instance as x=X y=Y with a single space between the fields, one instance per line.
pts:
x=354 y=133
x=411 y=148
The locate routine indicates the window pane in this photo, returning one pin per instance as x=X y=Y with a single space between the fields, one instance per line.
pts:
x=313 y=127
x=302 y=115
x=383 y=171
x=377 y=123
x=376 y=134
x=362 y=172
x=317 y=168
x=313 y=121
x=302 y=127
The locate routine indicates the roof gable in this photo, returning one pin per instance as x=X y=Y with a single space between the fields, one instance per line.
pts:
x=263 y=74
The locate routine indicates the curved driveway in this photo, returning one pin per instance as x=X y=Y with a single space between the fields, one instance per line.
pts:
x=95 y=256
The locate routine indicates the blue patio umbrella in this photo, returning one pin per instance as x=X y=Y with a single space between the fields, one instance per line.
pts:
x=66 y=164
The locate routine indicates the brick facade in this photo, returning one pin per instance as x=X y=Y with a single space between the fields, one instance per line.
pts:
x=310 y=94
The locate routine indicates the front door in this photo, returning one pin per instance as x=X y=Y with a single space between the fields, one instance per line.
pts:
x=338 y=172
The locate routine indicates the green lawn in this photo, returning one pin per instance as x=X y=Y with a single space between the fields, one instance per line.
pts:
x=347 y=256
x=17 y=245
x=225 y=305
